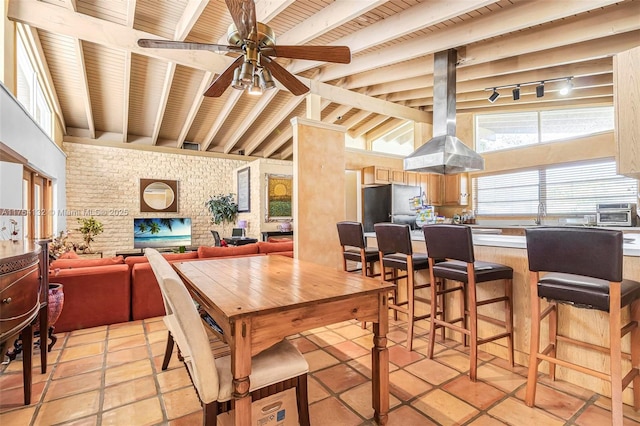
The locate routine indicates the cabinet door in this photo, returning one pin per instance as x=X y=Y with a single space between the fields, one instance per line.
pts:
x=455 y=190
x=434 y=194
x=412 y=178
x=382 y=175
x=626 y=107
x=372 y=175
x=397 y=176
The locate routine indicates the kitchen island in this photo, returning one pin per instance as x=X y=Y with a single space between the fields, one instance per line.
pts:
x=585 y=324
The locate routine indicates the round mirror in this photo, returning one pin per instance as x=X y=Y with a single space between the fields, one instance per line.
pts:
x=158 y=195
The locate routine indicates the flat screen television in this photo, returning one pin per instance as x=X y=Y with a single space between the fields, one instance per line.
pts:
x=161 y=232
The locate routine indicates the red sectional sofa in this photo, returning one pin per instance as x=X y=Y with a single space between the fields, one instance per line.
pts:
x=108 y=291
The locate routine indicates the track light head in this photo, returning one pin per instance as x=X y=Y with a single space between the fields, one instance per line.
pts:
x=567 y=87
x=495 y=95
x=540 y=90
x=516 y=93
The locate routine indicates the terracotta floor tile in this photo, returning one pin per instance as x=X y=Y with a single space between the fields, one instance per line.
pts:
x=408 y=416
x=87 y=330
x=303 y=344
x=118 y=344
x=627 y=410
x=73 y=385
x=20 y=416
x=70 y=408
x=319 y=359
x=83 y=351
x=84 y=365
x=83 y=339
x=128 y=392
x=486 y=420
x=365 y=341
x=141 y=413
x=478 y=394
x=594 y=415
x=14 y=398
x=173 y=379
x=181 y=402
x=188 y=420
x=127 y=372
x=346 y=350
x=326 y=338
x=397 y=336
x=554 y=401
x=125 y=329
x=513 y=411
x=330 y=411
x=10 y=380
x=400 y=356
x=500 y=378
x=315 y=390
x=158 y=336
x=454 y=359
x=174 y=362
x=353 y=331
x=86 y=421
x=340 y=378
x=445 y=408
x=127 y=355
x=152 y=326
x=432 y=371
x=359 y=399
x=406 y=386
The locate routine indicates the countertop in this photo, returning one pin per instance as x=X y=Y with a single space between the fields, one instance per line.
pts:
x=631 y=246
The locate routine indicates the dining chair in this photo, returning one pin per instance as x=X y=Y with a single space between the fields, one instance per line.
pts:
x=395 y=253
x=273 y=370
x=583 y=268
x=216 y=238
x=451 y=257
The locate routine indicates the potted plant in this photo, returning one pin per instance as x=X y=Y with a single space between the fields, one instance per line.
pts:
x=89 y=228
x=222 y=208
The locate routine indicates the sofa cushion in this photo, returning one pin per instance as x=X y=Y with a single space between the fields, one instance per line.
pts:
x=85 y=263
x=133 y=260
x=205 y=252
x=267 y=247
x=279 y=239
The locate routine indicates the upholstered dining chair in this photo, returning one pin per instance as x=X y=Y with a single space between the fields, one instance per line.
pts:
x=451 y=257
x=583 y=268
x=273 y=370
x=216 y=238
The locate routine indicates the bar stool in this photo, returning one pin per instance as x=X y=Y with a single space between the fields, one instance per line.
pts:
x=454 y=243
x=584 y=269
x=351 y=236
x=394 y=245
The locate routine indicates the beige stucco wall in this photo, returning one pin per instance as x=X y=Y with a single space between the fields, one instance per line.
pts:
x=104 y=181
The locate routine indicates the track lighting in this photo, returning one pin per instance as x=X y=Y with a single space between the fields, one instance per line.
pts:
x=495 y=95
x=540 y=90
x=516 y=93
x=567 y=87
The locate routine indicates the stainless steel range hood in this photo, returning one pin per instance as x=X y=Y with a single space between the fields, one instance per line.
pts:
x=444 y=153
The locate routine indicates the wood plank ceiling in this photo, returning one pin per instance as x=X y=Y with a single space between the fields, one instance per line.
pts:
x=107 y=88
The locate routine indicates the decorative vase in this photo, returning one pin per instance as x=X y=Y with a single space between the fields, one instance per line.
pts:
x=55 y=302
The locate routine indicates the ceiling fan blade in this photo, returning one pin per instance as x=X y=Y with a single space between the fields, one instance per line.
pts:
x=223 y=80
x=289 y=80
x=169 y=44
x=243 y=13
x=337 y=54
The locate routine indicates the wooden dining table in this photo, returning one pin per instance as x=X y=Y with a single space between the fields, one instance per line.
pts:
x=259 y=300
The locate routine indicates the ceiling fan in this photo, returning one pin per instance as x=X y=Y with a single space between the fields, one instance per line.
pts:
x=255 y=69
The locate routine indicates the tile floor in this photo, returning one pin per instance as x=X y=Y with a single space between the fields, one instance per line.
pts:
x=111 y=376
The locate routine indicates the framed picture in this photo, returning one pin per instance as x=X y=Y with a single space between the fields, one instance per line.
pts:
x=158 y=195
x=244 y=197
x=279 y=198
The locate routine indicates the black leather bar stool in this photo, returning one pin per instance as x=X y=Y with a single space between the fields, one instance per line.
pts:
x=354 y=249
x=396 y=253
x=584 y=269
x=454 y=244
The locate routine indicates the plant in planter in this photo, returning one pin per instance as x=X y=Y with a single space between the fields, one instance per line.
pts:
x=89 y=228
x=222 y=208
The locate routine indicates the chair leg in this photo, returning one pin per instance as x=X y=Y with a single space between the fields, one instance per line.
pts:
x=508 y=312
x=464 y=312
x=615 y=342
x=635 y=352
x=410 y=304
x=532 y=377
x=440 y=285
x=210 y=414
x=434 y=310
x=473 y=325
x=553 y=337
x=167 y=352
x=303 y=401
x=27 y=359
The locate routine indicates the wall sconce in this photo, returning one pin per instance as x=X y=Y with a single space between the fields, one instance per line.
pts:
x=540 y=90
x=516 y=93
x=495 y=95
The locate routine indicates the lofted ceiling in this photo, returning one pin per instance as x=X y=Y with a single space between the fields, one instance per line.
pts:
x=105 y=87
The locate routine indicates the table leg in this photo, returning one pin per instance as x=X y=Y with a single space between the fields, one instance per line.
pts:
x=241 y=367
x=380 y=363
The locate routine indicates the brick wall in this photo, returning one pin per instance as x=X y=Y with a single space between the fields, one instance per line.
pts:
x=104 y=181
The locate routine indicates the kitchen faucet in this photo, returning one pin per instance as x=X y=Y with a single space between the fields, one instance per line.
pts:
x=541 y=213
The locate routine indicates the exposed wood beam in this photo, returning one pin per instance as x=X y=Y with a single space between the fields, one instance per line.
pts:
x=248 y=120
x=195 y=106
x=232 y=99
x=405 y=70
x=71 y=5
x=44 y=74
x=84 y=88
x=125 y=96
x=538 y=106
x=278 y=141
x=327 y=19
x=164 y=98
x=266 y=10
x=84 y=27
x=516 y=18
x=264 y=131
x=369 y=125
x=355 y=119
x=287 y=153
x=131 y=12
x=384 y=129
x=190 y=15
x=337 y=113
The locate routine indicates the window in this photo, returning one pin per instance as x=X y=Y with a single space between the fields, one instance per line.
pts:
x=565 y=190
x=503 y=131
x=398 y=141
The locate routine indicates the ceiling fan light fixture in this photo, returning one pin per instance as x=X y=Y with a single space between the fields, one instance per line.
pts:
x=255 y=89
x=246 y=72
x=266 y=80
x=236 y=83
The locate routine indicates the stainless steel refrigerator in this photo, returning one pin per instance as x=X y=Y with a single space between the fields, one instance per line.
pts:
x=389 y=203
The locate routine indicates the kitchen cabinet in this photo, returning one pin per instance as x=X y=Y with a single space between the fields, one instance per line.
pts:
x=456 y=191
x=412 y=178
x=626 y=90
x=397 y=176
x=374 y=175
x=431 y=184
